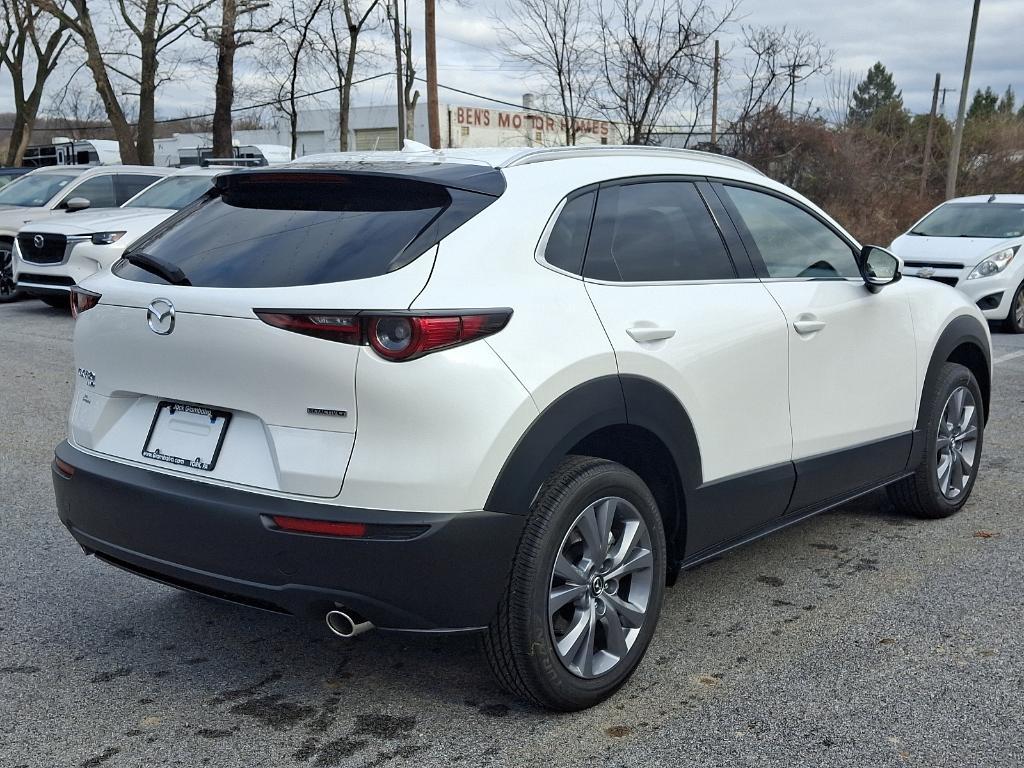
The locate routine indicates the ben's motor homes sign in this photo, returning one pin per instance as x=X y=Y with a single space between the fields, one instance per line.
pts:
x=525 y=122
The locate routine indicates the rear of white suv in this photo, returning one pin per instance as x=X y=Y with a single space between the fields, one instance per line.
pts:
x=513 y=392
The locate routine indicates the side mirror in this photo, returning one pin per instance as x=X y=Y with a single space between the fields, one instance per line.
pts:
x=77 y=204
x=879 y=267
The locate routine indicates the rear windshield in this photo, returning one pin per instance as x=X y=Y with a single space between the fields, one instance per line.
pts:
x=36 y=190
x=995 y=220
x=173 y=192
x=283 y=229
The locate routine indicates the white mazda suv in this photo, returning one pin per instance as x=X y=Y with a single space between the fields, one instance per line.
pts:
x=513 y=392
x=54 y=254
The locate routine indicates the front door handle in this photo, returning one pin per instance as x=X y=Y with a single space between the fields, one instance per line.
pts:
x=806 y=324
x=648 y=333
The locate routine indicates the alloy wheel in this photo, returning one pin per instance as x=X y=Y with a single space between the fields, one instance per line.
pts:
x=1018 y=308
x=956 y=443
x=601 y=587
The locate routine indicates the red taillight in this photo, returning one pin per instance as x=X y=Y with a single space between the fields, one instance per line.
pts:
x=395 y=336
x=82 y=300
x=322 y=527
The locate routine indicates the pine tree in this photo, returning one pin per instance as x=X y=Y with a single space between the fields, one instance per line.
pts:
x=1008 y=103
x=875 y=92
x=984 y=104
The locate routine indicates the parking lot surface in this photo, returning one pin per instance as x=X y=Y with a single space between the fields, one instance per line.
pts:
x=858 y=638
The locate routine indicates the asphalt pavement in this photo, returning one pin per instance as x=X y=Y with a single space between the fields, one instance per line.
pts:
x=859 y=638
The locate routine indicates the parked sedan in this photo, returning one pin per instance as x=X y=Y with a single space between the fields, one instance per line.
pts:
x=971 y=243
x=53 y=255
x=63 y=190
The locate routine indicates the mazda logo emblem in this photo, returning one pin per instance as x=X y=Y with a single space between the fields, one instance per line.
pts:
x=38 y=241
x=161 y=316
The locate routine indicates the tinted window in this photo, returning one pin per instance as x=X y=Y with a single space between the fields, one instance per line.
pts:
x=129 y=185
x=35 y=190
x=303 y=229
x=998 y=220
x=173 y=192
x=655 y=231
x=567 y=241
x=792 y=242
x=99 y=191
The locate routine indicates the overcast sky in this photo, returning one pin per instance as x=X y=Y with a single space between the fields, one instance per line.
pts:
x=913 y=38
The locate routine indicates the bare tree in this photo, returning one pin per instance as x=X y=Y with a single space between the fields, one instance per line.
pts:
x=241 y=22
x=31 y=40
x=650 y=52
x=338 y=41
x=776 y=61
x=555 y=38
x=286 y=60
x=412 y=94
x=149 y=29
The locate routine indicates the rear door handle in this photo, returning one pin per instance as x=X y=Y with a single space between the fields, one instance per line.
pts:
x=647 y=333
x=806 y=324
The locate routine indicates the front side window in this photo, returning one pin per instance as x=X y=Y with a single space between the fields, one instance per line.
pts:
x=34 y=191
x=992 y=220
x=658 y=231
x=99 y=191
x=792 y=242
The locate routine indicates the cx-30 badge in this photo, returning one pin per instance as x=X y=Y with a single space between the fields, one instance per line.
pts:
x=161 y=316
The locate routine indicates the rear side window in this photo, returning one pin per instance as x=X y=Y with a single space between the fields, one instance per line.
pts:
x=128 y=185
x=99 y=191
x=655 y=232
x=285 y=229
x=791 y=241
x=567 y=241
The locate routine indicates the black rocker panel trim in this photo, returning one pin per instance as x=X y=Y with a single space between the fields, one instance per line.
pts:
x=822 y=478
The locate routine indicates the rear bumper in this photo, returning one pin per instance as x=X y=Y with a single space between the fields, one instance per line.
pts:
x=221 y=542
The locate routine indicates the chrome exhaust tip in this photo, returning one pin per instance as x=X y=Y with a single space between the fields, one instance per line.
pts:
x=347 y=624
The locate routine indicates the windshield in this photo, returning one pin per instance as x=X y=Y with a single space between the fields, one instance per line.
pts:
x=173 y=192
x=995 y=220
x=34 y=191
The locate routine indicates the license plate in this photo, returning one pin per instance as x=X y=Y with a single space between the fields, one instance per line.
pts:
x=186 y=435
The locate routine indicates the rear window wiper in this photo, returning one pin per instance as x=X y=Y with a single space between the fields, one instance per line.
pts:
x=158 y=267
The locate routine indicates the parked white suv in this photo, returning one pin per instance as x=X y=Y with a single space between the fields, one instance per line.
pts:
x=55 y=253
x=971 y=243
x=63 y=190
x=508 y=391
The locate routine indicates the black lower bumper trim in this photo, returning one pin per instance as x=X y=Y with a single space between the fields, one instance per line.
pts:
x=214 y=540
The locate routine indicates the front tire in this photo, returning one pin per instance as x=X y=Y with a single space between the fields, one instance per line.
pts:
x=1014 y=322
x=586 y=588
x=8 y=290
x=955 y=433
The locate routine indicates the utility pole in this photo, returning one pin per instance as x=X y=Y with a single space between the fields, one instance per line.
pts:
x=714 y=99
x=400 y=91
x=433 y=121
x=792 y=88
x=930 y=137
x=958 y=132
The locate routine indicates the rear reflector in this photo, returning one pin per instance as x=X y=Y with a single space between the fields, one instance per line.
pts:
x=346 y=530
x=63 y=467
x=394 y=336
x=323 y=527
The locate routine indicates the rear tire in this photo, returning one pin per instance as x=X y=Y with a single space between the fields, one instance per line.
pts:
x=1014 y=322
x=954 y=438
x=585 y=590
x=8 y=290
